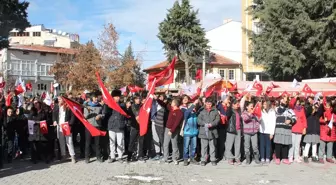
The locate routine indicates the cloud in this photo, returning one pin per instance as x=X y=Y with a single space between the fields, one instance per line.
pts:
x=135 y=20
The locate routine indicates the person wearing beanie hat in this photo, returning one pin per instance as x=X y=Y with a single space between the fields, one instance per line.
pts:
x=116 y=124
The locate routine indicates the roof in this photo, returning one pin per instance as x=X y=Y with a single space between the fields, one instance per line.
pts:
x=39 y=48
x=216 y=59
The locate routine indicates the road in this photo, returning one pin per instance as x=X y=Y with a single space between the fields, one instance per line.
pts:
x=23 y=173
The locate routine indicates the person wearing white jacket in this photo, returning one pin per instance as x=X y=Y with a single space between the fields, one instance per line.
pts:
x=267 y=127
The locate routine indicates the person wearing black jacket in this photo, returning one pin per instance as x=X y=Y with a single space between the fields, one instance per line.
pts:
x=62 y=114
x=134 y=131
x=77 y=127
x=9 y=132
x=234 y=130
x=116 y=125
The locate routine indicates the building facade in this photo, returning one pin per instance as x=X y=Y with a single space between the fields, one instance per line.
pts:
x=227 y=68
x=39 y=35
x=249 y=68
x=32 y=64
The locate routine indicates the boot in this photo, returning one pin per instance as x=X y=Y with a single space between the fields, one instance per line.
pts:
x=256 y=158
x=248 y=158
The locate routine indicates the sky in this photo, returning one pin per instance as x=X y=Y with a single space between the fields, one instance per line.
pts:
x=135 y=20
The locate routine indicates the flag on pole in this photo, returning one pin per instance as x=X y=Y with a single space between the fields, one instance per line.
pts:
x=77 y=111
x=165 y=76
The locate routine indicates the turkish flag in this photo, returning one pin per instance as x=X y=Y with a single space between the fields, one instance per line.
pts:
x=198 y=75
x=209 y=91
x=77 y=110
x=258 y=86
x=43 y=95
x=19 y=89
x=108 y=98
x=145 y=109
x=307 y=89
x=269 y=89
x=223 y=119
x=66 y=129
x=234 y=86
x=274 y=85
x=285 y=93
x=257 y=110
x=29 y=86
x=8 y=100
x=134 y=88
x=196 y=95
x=165 y=76
x=44 y=127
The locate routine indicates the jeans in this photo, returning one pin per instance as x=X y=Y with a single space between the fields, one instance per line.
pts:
x=189 y=144
x=265 y=146
x=294 y=150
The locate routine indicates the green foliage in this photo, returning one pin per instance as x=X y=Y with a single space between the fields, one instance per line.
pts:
x=181 y=33
x=13 y=14
x=297 y=38
x=138 y=76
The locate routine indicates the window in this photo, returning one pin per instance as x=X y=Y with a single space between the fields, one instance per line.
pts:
x=231 y=74
x=222 y=73
x=43 y=69
x=41 y=87
x=36 y=34
x=25 y=52
x=13 y=34
x=43 y=54
x=23 y=34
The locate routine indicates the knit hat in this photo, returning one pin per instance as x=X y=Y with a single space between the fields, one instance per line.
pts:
x=116 y=92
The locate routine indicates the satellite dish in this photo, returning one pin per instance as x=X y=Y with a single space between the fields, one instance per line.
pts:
x=64 y=33
x=59 y=32
x=56 y=85
x=54 y=31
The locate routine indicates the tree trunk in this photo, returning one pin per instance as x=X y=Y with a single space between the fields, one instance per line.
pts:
x=187 y=76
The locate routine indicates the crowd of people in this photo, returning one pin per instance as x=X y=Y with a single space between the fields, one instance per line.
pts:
x=195 y=131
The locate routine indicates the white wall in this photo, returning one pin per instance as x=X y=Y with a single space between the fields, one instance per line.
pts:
x=50 y=58
x=226 y=40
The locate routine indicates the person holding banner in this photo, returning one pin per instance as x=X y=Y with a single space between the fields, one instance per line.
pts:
x=62 y=115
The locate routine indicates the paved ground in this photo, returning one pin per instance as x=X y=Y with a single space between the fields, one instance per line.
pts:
x=23 y=173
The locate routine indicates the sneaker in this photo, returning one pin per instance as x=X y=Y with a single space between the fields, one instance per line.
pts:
x=87 y=161
x=214 y=163
x=277 y=161
x=156 y=158
x=315 y=159
x=305 y=159
x=100 y=160
x=321 y=161
x=176 y=162
x=73 y=159
x=262 y=161
x=290 y=160
x=141 y=160
x=330 y=160
x=298 y=160
x=185 y=163
x=268 y=161
x=194 y=162
x=238 y=162
x=202 y=163
x=231 y=162
x=286 y=161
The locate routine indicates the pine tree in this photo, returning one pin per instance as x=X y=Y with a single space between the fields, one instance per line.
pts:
x=13 y=14
x=297 y=38
x=181 y=33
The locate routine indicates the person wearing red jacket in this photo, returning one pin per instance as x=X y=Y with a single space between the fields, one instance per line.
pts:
x=172 y=131
x=298 y=129
x=327 y=134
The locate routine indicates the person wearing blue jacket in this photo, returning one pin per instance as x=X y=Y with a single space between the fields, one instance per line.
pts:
x=190 y=132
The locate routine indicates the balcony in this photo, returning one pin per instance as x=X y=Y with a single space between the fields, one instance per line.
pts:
x=28 y=68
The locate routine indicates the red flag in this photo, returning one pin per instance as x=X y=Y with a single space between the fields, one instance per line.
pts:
x=198 y=75
x=197 y=95
x=77 y=110
x=165 y=76
x=269 y=89
x=258 y=86
x=285 y=93
x=18 y=90
x=223 y=119
x=145 y=109
x=43 y=127
x=209 y=91
x=108 y=98
x=29 y=86
x=66 y=129
x=8 y=100
x=52 y=87
x=307 y=89
x=257 y=110
x=134 y=88
x=234 y=87
x=43 y=95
